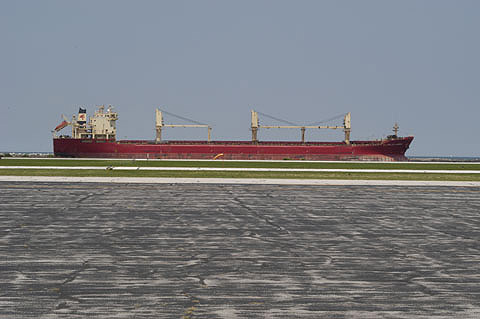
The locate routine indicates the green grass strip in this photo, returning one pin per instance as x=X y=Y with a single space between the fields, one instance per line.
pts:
x=233 y=164
x=226 y=174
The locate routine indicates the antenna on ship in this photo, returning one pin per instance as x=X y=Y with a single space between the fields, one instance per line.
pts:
x=159 y=124
x=395 y=129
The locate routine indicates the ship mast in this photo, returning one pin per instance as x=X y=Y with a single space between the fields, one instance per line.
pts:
x=159 y=125
x=346 y=127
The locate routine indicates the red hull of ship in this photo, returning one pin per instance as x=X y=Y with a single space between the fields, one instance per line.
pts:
x=381 y=150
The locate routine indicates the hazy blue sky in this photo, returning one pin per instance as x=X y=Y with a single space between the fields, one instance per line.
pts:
x=415 y=62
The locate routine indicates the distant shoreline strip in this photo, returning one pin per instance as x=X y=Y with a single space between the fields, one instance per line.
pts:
x=237 y=169
x=240 y=181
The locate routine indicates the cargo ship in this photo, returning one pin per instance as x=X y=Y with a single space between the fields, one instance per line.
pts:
x=96 y=138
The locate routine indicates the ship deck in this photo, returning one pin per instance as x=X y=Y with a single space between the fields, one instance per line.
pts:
x=259 y=143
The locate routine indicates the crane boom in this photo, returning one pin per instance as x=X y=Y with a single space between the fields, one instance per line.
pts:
x=346 y=127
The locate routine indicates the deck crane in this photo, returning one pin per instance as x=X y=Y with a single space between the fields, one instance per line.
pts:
x=346 y=127
x=159 y=124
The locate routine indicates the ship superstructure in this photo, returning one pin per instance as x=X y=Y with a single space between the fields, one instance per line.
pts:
x=100 y=126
